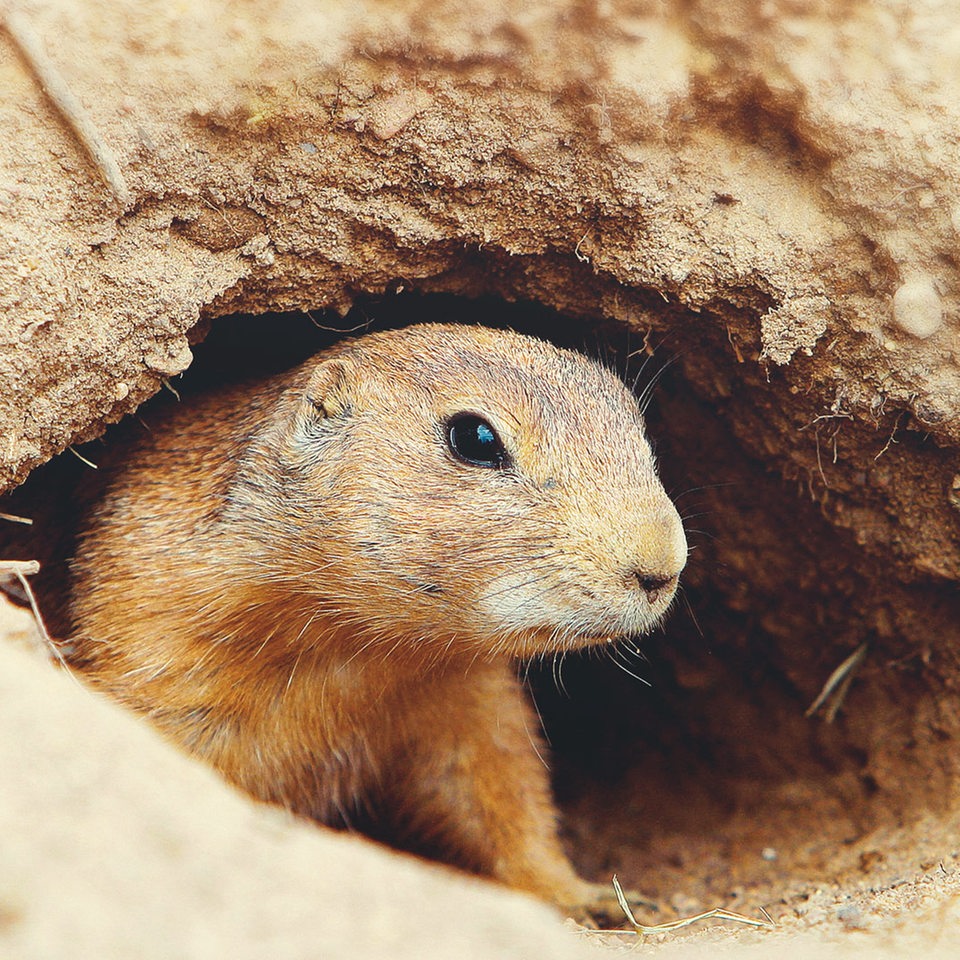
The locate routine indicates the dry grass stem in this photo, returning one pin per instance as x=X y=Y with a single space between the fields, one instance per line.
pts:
x=24 y=568
x=837 y=685
x=21 y=569
x=716 y=914
x=66 y=103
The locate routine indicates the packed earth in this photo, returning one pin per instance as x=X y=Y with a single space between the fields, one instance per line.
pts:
x=752 y=211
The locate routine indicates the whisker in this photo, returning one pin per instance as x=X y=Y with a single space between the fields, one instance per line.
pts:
x=707 y=486
x=539 y=578
x=613 y=658
x=646 y=395
x=689 y=607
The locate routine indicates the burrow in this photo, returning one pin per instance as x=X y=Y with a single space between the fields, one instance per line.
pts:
x=695 y=767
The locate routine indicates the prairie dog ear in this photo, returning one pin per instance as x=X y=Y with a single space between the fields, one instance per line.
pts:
x=329 y=390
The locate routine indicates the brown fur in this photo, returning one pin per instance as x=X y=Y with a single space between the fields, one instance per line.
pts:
x=299 y=583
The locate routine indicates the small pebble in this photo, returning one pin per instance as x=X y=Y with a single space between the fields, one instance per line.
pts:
x=850 y=916
x=917 y=309
x=769 y=854
x=953 y=496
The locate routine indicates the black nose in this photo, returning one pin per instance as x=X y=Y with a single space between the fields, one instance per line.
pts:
x=654 y=586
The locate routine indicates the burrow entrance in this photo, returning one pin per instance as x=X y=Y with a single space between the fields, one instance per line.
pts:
x=692 y=768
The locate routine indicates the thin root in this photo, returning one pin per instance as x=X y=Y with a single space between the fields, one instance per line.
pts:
x=83 y=459
x=21 y=569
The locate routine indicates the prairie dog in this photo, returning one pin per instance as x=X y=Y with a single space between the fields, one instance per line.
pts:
x=319 y=583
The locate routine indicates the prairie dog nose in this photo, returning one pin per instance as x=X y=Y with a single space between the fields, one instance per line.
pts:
x=656 y=585
x=656 y=568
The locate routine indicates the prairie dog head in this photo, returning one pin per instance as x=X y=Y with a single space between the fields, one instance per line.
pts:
x=472 y=488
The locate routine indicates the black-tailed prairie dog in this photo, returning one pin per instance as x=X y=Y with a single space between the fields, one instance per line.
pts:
x=320 y=583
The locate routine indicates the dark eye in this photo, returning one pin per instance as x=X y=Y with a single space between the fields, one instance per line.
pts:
x=474 y=441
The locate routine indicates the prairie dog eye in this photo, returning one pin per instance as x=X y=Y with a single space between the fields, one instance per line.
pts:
x=472 y=440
